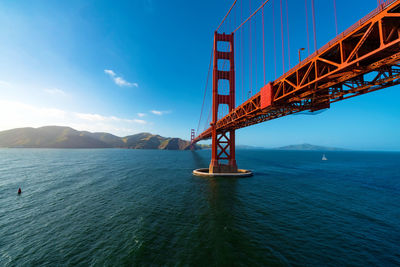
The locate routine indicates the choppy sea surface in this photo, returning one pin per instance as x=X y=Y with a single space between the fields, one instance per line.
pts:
x=112 y=207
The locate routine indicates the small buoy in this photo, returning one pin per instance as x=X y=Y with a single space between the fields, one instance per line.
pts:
x=19 y=191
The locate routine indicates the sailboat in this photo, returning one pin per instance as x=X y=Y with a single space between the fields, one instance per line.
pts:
x=323 y=157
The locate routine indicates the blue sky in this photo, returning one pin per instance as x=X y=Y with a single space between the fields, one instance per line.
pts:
x=131 y=66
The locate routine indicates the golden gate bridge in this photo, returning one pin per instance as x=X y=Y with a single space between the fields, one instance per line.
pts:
x=362 y=59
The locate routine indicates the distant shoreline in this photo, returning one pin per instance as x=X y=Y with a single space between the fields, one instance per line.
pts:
x=150 y=149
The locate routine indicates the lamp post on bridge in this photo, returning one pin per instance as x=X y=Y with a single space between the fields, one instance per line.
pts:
x=301 y=49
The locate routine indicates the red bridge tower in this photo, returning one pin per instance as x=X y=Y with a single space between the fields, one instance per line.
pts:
x=223 y=142
x=192 y=136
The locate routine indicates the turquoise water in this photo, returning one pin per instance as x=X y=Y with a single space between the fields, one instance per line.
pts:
x=143 y=207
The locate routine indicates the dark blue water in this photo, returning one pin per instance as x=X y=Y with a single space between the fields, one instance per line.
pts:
x=142 y=207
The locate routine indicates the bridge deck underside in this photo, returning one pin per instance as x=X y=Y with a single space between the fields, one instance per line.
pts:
x=363 y=59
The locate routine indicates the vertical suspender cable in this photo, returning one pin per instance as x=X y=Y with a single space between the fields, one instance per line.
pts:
x=263 y=42
x=314 y=26
x=283 y=46
x=255 y=52
x=287 y=30
x=308 y=32
x=334 y=10
x=252 y=14
x=251 y=58
x=226 y=110
x=242 y=50
x=236 y=51
x=274 y=32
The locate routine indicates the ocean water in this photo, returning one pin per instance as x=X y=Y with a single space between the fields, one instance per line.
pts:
x=115 y=207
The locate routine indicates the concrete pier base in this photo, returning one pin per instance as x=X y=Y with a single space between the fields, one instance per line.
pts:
x=204 y=172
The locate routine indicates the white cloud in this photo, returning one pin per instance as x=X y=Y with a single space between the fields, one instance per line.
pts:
x=16 y=114
x=110 y=72
x=156 y=112
x=101 y=118
x=90 y=117
x=159 y=112
x=119 y=80
x=141 y=115
x=55 y=91
x=140 y=121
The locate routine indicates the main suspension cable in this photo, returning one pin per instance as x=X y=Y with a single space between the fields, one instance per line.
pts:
x=255 y=12
x=205 y=90
x=234 y=3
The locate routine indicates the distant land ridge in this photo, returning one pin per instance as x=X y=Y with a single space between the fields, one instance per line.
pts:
x=310 y=147
x=66 y=137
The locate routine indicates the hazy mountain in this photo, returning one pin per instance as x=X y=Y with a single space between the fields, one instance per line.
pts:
x=66 y=137
x=310 y=147
x=49 y=137
x=110 y=139
x=249 y=147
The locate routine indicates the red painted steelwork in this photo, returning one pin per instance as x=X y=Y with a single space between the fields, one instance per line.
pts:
x=266 y=96
x=223 y=142
x=363 y=59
